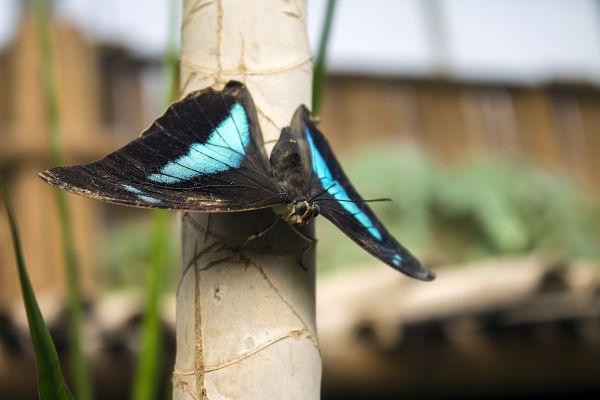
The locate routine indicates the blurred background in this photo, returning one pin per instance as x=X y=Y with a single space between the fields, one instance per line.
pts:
x=479 y=118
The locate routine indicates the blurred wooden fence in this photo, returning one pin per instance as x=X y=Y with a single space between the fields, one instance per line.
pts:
x=556 y=125
x=108 y=95
x=90 y=111
x=24 y=152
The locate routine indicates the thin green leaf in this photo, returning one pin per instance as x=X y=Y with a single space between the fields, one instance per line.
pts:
x=145 y=384
x=319 y=70
x=51 y=383
x=77 y=361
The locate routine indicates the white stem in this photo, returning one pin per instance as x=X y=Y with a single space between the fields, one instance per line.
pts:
x=246 y=321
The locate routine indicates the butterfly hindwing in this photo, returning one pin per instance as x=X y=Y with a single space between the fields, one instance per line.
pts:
x=205 y=153
x=340 y=203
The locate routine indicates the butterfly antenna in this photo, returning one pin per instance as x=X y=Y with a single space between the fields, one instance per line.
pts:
x=359 y=200
x=322 y=191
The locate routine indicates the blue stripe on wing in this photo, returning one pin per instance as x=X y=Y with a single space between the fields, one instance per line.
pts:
x=335 y=189
x=139 y=194
x=224 y=149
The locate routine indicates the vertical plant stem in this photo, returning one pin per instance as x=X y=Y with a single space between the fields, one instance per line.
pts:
x=320 y=62
x=79 y=368
x=146 y=382
x=246 y=326
x=145 y=385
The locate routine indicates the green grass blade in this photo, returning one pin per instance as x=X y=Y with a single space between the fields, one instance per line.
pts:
x=78 y=363
x=51 y=383
x=319 y=71
x=145 y=384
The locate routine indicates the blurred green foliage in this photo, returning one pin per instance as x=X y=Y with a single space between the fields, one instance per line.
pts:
x=507 y=207
x=484 y=207
x=125 y=253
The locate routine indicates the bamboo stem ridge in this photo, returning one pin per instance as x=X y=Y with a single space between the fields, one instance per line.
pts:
x=246 y=320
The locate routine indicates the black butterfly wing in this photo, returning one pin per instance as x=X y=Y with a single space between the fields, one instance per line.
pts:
x=337 y=202
x=205 y=153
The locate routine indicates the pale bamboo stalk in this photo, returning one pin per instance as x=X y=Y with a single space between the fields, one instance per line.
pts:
x=246 y=321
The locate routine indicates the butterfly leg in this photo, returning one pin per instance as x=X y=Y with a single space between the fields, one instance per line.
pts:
x=312 y=242
x=259 y=234
x=303 y=235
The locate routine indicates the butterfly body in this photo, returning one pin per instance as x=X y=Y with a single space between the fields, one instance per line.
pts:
x=291 y=171
x=206 y=153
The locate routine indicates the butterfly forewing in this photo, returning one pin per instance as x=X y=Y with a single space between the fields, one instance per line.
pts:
x=205 y=153
x=340 y=203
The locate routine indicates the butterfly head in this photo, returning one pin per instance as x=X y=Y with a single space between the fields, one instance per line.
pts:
x=302 y=211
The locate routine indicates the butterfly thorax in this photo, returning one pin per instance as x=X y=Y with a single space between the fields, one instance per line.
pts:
x=290 y=173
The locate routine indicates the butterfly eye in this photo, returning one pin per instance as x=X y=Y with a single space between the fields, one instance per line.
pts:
x=316 y=210
x=300 y=208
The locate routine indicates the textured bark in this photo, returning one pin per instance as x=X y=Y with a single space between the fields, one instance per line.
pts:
x=246 y=320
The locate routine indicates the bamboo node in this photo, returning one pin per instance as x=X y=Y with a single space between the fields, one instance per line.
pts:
x=214 y=72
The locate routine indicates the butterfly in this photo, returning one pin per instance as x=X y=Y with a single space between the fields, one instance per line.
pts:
x=206 y=153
